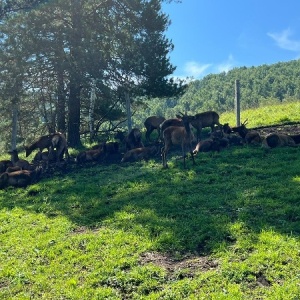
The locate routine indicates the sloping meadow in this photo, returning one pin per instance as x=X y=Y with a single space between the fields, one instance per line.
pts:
x=227 y=228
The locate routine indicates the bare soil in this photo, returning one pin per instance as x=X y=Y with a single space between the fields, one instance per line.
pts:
x=185 y=267
x=291 y=129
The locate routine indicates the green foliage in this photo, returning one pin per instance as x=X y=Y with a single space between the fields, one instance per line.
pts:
x=227 y=228
x=258 y=86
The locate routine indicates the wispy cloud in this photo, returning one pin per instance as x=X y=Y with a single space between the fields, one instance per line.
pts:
x=284 y=41
x=226 y=65
x=196 y=70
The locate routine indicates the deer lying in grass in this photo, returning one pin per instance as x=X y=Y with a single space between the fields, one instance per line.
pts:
x=248 y=135
x=44 y=156
x=4 y=164
x=134 y=139
x=152 y=123
x=22 y=163
x=139 y=154
x=273 y=140
x=205 y=119
x=229 y=138
x=13 y=169
x=208 y=145
x=175 y=135
x=296 y=138
x=92 y=155
x=218 y=140
x=20 y=178
x=108 y=147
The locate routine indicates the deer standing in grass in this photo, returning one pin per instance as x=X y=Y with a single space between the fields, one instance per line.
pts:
x=175 y=135
x=152 y=123
x=205 y=119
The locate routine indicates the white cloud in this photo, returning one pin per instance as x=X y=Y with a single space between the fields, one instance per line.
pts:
x=226 y=65
x=196 y=70
x=284 y=41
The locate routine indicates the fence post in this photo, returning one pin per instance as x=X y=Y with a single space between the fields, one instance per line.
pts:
x=237 y=103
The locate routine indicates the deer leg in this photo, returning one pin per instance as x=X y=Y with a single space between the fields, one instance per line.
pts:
x=148 y=133
x=164 y=157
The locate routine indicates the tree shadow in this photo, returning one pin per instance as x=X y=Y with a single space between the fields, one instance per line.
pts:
x=181 y=210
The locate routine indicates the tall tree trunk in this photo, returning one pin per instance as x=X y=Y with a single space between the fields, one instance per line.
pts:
x=61 y=103
x=14 y=124
x=74 y=114
x=91 y=111
x=75 y=77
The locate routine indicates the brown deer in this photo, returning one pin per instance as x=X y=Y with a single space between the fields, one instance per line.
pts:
x=20 y=178
x=296 y=138
x=41 y=143
x=152 y=123
x=248 y=135
x=44 y=156
x=273 y=140
x=175 y=135
x=229 y=138
x=208 y=145
x=169 y=122
x=4 y=164
x=90 y=155
x=134 y=139
x=13 y=169
x=60 y=144
x=22 y=163
x=139 y=154
x=205 y=119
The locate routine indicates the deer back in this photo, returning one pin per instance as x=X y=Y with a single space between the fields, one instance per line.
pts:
x=153 y=122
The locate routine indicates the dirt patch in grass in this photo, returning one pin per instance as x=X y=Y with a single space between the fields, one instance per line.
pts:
x=186 y=267
x=290 y=129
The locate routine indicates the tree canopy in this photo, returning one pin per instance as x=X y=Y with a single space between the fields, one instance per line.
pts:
x=54 y=55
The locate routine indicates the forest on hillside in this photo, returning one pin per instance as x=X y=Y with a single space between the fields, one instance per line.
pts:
x=259 y=86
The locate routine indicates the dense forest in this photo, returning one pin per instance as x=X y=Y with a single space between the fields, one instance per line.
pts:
x=259 y=86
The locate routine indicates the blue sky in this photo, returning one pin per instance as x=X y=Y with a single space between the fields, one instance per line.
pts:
x=212 y=36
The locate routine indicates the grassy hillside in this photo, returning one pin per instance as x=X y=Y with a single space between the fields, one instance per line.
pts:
x=267 y=115
x=227 y=228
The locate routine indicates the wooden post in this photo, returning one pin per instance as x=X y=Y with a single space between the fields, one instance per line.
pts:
x=237 y=103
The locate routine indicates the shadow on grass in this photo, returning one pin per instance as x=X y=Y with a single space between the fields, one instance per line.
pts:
x=182 y=211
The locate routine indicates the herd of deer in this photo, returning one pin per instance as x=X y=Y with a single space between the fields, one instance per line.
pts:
x=177 y=131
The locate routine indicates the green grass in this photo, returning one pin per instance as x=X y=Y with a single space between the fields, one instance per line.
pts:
x=266 y=115
x=227 y=228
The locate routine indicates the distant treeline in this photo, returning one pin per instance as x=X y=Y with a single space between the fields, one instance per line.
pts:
x=259 y=86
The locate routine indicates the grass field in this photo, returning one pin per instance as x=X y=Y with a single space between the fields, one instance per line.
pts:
x=227 y=228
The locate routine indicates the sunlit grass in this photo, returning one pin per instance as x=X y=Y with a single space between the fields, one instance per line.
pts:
x=266 y=115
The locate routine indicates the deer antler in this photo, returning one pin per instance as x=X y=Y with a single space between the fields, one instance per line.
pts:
x=245 y=122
